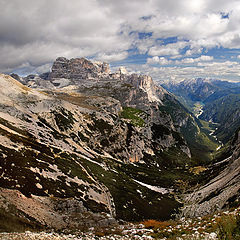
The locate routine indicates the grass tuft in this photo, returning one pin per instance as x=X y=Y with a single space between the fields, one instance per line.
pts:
x=135 y=116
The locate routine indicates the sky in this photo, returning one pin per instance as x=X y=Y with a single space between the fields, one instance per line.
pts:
x=170 y=40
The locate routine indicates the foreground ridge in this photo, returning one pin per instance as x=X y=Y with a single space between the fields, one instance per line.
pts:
x=210 y=227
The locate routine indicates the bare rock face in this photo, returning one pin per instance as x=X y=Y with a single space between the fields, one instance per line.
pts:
x=15 y=76
x=18 y=78
x=35 y=81
x=56 y=213
x=78 y=68
x=123 y=70
x=103 y=67
x=145 y=83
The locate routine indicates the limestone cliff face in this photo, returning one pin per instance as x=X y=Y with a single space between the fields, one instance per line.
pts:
x=154 y=93
x=78 y=68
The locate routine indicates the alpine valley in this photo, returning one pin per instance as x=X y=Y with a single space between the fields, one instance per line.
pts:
x=83 y=147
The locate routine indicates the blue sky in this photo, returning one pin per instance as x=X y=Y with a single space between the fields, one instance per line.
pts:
x=169 y=40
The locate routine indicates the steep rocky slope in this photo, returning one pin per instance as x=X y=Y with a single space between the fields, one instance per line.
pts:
x=88 y=146
x=221 y=191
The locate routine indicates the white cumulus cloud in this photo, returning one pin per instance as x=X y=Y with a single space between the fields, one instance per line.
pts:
x=158 y=60
x=34 y=33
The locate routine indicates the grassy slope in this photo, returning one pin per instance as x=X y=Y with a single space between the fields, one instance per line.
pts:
x=135 y=116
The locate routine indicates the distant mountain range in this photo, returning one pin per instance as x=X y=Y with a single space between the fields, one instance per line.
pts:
x=220 y=99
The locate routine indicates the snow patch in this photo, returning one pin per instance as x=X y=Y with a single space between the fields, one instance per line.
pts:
x=38 y=185
x=155 y=188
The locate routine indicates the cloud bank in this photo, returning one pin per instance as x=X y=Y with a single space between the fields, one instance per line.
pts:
x=175 y=38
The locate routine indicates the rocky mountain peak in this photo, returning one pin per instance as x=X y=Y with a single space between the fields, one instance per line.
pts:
x=81 y=73
x=71 y=72
x=146 y=84
x=9 y=85
x=123 y=70
x=78 y=68
x=103 y=67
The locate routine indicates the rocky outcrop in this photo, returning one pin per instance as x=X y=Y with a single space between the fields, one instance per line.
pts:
x=56 y=213
x=78 y=68
x=35 y=81
x=15 y=76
